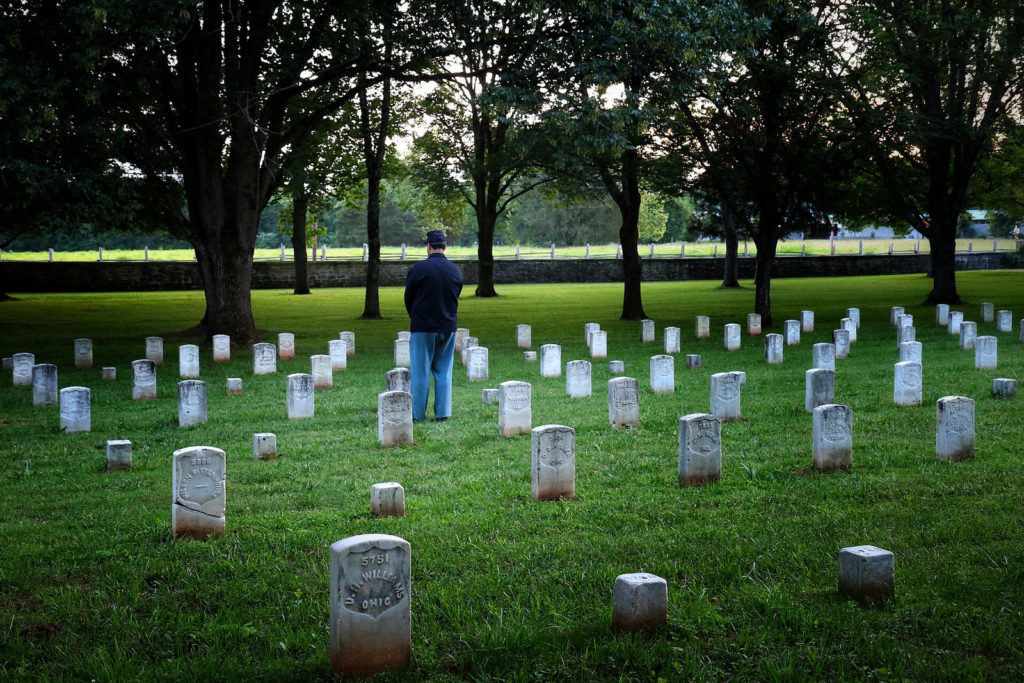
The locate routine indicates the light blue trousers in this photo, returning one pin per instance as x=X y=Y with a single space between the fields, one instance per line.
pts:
x=431 y=353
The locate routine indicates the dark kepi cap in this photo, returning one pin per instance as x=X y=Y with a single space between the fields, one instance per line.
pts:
x=436 y=237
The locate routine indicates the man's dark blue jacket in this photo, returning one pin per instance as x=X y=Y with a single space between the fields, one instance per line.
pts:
x=432 y=291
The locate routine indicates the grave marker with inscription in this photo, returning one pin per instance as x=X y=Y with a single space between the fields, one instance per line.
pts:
x=850 y=326
x=623 y=402
x=700 y=449
x=553 y=462
x=1004 y=321
x=819 y=388
x=791 y=332
x=807 y=321
x=300 y=396
x=22 y=368
x=968 y=334
x=550 y=360
x=478 y=364
x=663 y=374
x=44 y=384
x=286 y=345
x=985 y=353
x=671 y=339
x=832 y=437
x=394 y=418
x=725 y=395
x=155 y=349
x=460 y=334
x=109 y=373
x=524 y=336
x=942 y=314
x=578 y=378
x=646 y=331
x=514 y=408
x=854 y=314
x=191 y=402
x=467 y=344
x=320 y=369
x=143 y=379
x=753 y=324
x=907 y=333
x=75 y=409
x=841 y=339
x=188 y=360
x=264 y=359
x=199 y=501
x=398 y=379
x=911 y=351
x=616 y=367
x=987 y=312
x=350 y=342
x=773 y=349
x=83 y=353
x=894 y=315
x=955 y=318
x=599 y=344
x=732 y=337
x=339 y=356
x=588 y=331
x=221 y=348
x=402 y=358
x=954 y=428
x=907 y=384
x=824 y=356
x=702 y=325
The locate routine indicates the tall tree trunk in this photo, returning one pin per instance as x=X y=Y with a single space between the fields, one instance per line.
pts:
x=300 y=205
x=730 y=277
x=629 y=237
x=763 y=276
x=485 y=221
x=227 y=280
x=942 y=240
x=371 y=300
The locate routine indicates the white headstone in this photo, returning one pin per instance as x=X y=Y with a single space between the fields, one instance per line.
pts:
x=807 y=321
x=819 y=388
x=338 y=354
x=477 y=365
x=753 y=324
x=773 y=348
x=394 y=418
x=942 y=314
x=119 y=454
x=985 y=353
x=732 y=337
x=824 y=356
x=264 y=446
x=398 y=379
x=44 y=384
x=693 y=361
x=514 y=408
x=987 y=312
x=841 y=339
x=955 y=318
x=623 y=402
x=616 y=367
x=907 y=333
x=702 y=326
x=109 y=373
x=264 y=359
x=550 y=360
x=530 y=356
x=83 y=353
x=75 y=409
x=143 y=379
x=350 y=342
x=155 y=349
x=191 y=402
x=299 y=396
x=854 y=314
x=1004 y=321
x=387 y=500
x=286 y=346
x=646 y=330
x=791 y=332
x=850 y=325
x=188 y=360
x=553 y=463
x=320 y=369
x=663 y=374
x=22 y=368
x=832 y=437
x=968 y=334
x=639 y=602
x=460 y=334
x=524 y=336
x=911 y=351
x=599 y=344
x=954 y=428
x=907 y=384
x=725 y=396
x=700 y=449
x=1004 y=387
x=489 y=396
x=577 y=378
x=867 y=573
x=371 y=626
x=588 y=331
x=905 y=320
x=402 y=353
x=894 y=315
x=671 y=339
x=199 y=502
x=234 y=386
x=404 y=334
x=221 y=348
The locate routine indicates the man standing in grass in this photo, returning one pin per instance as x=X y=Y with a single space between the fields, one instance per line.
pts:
x=432 y=291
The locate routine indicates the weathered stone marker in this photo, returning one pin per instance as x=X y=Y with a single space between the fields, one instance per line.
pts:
x=968 y=334
x=753 y=324
x=832 y=437
x=907 y=333
x=300 y=396
x=530 y=356
x=478 y=365
x=286 y=345
x=725 y=395
x=867 y=573
x=44 y=384
x=824 y=356
x=83 y=353
x=850 y=326
x=75 y=409
x=553 y=462
x=21 y=368
x=700 y=449
x=819 y=388
x=671 y=339
x=1004 y=321
x=199 y=496
x=550 y=360
x=841 y=339
x=264 y=359
x=109 y=373
x=320 y=369
x=577 y=378
x=616 y=367
x=1004 y=387
x=191 y=402
x=955 y=318
x=905 y=320
x=639 y=602
x=155 y=349
x=623 y=402
x=911 y=351
x=646 y=331
x=371 y=624
x=588 y=331
x=985 y=353
x=387 y=500
x=489 y=396
x=394 y=418
x=350 y=342
x=398 y=379
x=404 y=334
x=693 y=361
x=894 y=315
x=987 y=312
x=221 y=348
x=663 y=374
x=143 y=379
x=460 y=334
x=773 y=349
x=791 y=332
x=942 y=314
x=854 y=314
x=599 y=344
x=234 y=386
x=954 y=428
x=514 y=408
x=524 y=336
x=907 y=384
x=338 y=354
x=402 y=353
x=807 y=321
x=732 y=337
x=119 y=454
x=702 y=326
x=264 y=446
x=188 y=360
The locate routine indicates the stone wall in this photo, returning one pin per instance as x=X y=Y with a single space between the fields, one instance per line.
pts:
x=112 y=276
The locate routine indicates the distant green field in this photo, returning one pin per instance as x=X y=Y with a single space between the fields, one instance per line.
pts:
x=92 y=586
x=413 y=252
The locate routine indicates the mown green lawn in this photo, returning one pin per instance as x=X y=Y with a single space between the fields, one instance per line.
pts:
x=92 y=586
